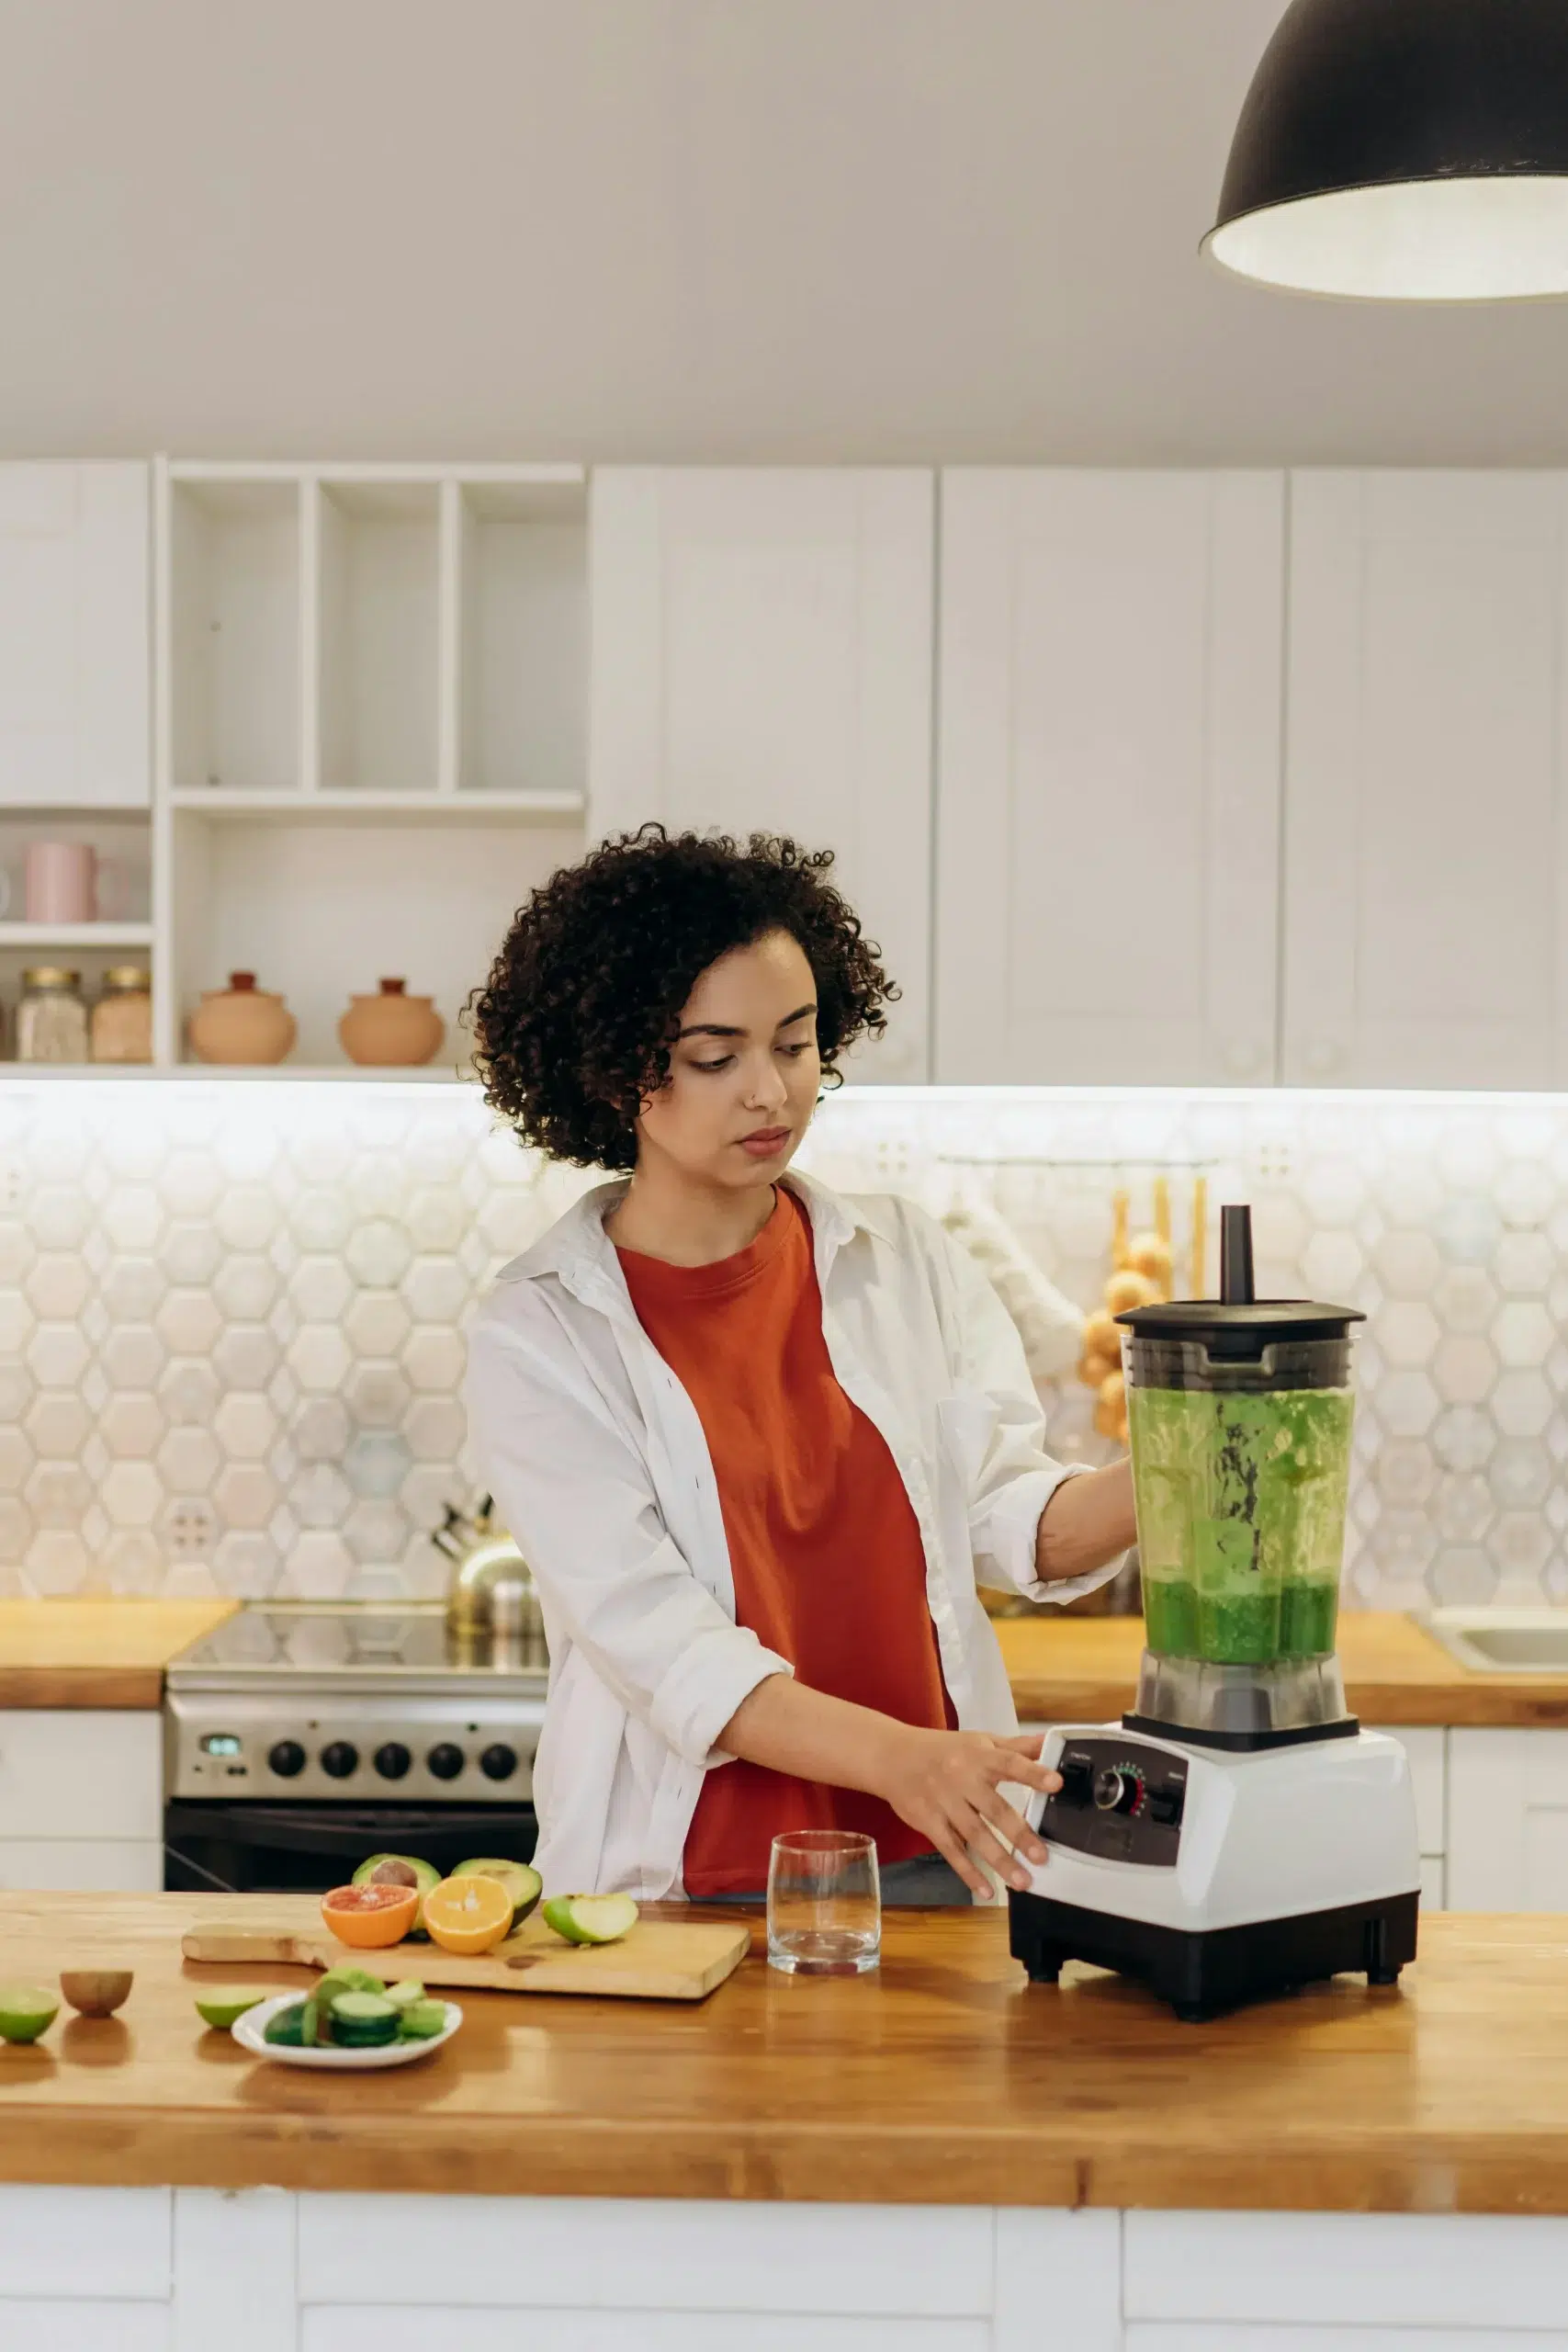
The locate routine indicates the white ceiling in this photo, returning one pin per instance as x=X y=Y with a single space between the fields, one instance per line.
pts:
x=699 y=229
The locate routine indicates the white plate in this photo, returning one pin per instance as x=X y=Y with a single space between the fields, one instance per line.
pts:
x=249 y=2029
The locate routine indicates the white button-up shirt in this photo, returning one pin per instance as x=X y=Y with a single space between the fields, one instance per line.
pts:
x=601 y=1470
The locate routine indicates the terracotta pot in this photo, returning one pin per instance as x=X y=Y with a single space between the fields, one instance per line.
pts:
x=240 y=1024
x=392 y=1030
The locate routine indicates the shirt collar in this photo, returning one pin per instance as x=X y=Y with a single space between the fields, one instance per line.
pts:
x=580 y=1253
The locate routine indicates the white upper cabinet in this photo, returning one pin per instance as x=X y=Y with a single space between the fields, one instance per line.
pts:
x=75 y=644
x=1426 y=883
x=761 y=659
x=1109 y=777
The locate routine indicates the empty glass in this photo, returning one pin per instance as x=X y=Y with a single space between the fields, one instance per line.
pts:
x=824 y=1904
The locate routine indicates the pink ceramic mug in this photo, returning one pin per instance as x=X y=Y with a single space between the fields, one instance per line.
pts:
x=61 y=882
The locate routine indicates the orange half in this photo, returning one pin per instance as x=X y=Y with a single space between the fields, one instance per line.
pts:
x=467 y=1915
x=370 y=1917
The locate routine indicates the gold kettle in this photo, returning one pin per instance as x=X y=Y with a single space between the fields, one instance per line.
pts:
x=490 y=1595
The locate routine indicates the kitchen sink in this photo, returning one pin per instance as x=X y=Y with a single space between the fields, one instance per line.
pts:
x=1503 y=1641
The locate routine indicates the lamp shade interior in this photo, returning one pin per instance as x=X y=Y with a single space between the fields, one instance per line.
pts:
x=1419 y=240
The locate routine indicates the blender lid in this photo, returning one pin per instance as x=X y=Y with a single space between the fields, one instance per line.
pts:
x=1261 y=1319
x=1239 y=1321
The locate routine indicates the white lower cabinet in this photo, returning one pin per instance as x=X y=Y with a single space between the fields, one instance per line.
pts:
x=81 y=1800
x=1509 y=1820
x=85 y=1865
x=1427 y=1747
x=1291 y=2282
x=86 y=2327
x=402 y=2327
x=264 y=2270
x=81 y=1772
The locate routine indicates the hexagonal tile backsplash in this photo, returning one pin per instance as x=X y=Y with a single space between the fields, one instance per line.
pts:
x=1444 y=1218
x=231 y=1314
x=230 y=1329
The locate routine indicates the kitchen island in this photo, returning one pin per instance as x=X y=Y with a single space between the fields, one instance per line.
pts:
x=937 y=2155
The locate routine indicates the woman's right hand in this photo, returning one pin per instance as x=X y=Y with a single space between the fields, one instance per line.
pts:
x=947 y=1785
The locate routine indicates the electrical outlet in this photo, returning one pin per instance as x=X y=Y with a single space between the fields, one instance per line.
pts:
x=190 y=1526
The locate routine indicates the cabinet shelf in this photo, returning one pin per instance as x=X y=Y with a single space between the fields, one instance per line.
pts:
x=353 y=804
x=16 y=1074
x=88 y=936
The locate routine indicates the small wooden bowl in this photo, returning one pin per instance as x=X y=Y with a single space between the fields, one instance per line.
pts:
x=96 y=1992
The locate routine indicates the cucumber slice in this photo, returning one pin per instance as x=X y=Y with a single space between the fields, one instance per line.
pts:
x=286 y=2029
x=423 y=2021
x=407 y=1994
x=355 y=2009
x=363 y=2020
x=590 y=1918
x=345 y=1980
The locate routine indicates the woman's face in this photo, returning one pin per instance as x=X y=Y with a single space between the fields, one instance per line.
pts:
x=744 y=1071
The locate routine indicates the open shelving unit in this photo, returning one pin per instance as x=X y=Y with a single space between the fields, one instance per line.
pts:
x=370 y=697
x=127 y=932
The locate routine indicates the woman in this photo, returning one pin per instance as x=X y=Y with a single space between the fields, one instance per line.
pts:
x=756 y=1441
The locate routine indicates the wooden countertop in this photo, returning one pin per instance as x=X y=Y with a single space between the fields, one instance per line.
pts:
x=1084 y=1669
x=944 y=2077
x=107 y=1653
x=97 y=1653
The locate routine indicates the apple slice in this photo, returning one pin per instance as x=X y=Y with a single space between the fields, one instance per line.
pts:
x=590 y=1918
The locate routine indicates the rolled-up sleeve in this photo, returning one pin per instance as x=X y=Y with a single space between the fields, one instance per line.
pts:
x=1012 y=1476
x=578 y=1498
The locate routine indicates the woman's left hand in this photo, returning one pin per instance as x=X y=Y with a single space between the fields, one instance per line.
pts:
x=947 y=1785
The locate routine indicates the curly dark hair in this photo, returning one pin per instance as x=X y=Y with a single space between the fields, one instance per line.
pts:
x=575 y=1023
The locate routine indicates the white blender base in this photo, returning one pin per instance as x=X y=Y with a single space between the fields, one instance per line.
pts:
x=1282 y=1865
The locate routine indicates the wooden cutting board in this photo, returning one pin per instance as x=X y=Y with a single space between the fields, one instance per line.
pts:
x=660 y=1959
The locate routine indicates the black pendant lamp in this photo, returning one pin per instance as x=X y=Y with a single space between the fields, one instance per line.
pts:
x=1405 y=151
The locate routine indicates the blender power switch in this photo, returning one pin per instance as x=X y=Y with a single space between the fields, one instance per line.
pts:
x=1077 y=1780
x=1165 y=1804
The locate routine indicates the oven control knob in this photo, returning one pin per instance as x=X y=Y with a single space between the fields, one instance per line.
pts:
x=1117 y=1790
x=393 y=1760
x=339 y=1758
x=498 y=1763
x=286 y=1759
x=445 y=1761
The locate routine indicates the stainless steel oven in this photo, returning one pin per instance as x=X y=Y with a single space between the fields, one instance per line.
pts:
x=300 y=1738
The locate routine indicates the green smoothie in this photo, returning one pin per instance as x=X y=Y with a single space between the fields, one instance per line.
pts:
x=1241 y=1519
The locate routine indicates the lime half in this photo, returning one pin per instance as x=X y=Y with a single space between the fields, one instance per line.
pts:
x=26 y=2011
x=221 y=2008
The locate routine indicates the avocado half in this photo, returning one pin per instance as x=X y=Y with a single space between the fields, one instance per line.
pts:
x=521 y=1880
x=400 y=1870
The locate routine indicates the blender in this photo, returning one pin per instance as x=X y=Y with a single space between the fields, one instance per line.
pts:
x=1239 y=1833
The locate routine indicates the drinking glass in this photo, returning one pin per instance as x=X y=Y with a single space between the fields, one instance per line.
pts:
x=824 y=1904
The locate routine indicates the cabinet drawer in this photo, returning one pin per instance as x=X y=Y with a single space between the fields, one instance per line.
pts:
x=73 y=1772
x=1508 y=1821
x=1426 y=1747
x=82 y=1865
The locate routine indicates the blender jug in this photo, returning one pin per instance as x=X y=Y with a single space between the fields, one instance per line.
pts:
x=1240 y=1412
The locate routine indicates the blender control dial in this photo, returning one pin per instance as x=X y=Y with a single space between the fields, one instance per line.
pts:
x=1118 y=1787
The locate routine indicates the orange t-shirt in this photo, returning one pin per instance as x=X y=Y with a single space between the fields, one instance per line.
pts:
x=829 y=1569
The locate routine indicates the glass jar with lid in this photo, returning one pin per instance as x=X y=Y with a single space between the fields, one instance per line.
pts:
x=121 y=1023
x=52 y=1019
